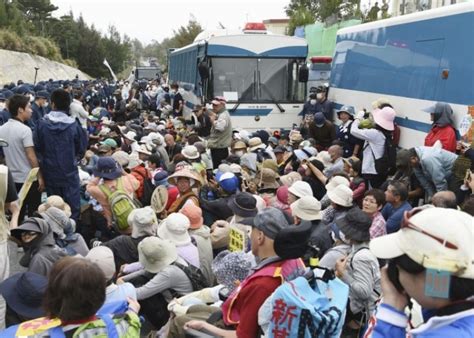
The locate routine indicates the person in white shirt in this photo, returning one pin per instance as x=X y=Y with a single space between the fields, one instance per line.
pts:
x=76 y=109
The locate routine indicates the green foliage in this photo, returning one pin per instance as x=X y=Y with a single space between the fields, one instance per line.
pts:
x=300 y=17
x=30 y=44
x=326 y=11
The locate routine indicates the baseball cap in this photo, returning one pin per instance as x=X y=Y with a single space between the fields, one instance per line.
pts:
x=270 y=221
x=435 y=238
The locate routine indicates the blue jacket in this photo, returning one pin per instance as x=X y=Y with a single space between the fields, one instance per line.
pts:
x=4 y=116
x=392 y=323
x=393 y=217
x=435 y=168
x=60 y=143
x=38 y=113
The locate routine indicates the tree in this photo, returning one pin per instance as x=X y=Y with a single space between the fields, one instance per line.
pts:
x=326 y=11
x=300 y=17
x=37 y=13
x=186 y=34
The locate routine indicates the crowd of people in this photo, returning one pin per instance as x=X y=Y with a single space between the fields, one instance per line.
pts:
x=137 y=215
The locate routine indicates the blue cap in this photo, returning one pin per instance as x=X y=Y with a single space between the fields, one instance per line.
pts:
x=43 y=94
x=228 y=182
x=7 y=94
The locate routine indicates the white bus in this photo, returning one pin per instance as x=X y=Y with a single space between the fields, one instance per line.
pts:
x=262 y=76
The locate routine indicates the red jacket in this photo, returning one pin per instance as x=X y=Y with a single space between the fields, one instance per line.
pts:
x=446 y=135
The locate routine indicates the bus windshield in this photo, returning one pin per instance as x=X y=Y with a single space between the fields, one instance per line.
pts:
x=257 y=80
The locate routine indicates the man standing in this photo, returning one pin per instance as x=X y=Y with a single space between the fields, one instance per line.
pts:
x=76 y=110
x=323 y=104
x=61 y=142
x=39 y=106
x=20 y=155
x=221 y=132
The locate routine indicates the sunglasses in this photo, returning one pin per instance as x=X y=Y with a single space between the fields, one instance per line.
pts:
x=407 y=224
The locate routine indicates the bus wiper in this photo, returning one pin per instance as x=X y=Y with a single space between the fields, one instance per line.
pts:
x=264 y=86
x=234 y=108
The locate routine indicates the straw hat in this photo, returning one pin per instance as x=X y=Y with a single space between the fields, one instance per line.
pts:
x=188 y=173
x=55 y=201
x=159 y=199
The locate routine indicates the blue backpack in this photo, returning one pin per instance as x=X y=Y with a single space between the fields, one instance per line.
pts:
x=301 y=310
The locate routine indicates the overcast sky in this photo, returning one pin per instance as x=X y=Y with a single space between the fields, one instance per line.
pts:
x=149 y=20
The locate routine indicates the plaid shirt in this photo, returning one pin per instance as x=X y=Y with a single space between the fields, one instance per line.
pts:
x=377 y=228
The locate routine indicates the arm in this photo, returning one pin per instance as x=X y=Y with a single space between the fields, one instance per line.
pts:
x=319 y=175
x=220 y=124
x=161 y=282
x=14 y=209
x=427 y=186
x=31 y=156
x=363 y=134
x=361 y=282
x=359 y=191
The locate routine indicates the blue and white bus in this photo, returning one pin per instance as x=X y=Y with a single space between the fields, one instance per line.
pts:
x=258 y=73
x=413 y=61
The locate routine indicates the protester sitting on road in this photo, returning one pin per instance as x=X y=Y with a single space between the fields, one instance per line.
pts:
x=104 y=258
x=431 y=261
x=360 y=269
x=241 y=308
x=37 y=239
x=23 y=293
x=396 y=197
x=110 y=177
x=372 y=204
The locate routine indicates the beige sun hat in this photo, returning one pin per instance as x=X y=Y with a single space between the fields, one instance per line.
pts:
x=55 y=201
x=308 y=208
x=155 y=254
x=189 y=173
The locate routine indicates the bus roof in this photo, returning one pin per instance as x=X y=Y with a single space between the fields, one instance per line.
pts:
x=414 y=17
x=261 y=45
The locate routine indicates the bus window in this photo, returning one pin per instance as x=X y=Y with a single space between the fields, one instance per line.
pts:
x=234 y=75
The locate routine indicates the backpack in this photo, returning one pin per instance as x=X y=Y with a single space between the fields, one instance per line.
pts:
x=195 y=275
x=121 y=204
x=148 y=188
x=386 y=165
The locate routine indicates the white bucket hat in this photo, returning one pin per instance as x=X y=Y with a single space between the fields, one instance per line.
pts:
x=190 y=152
x=307 y=208
x=175 y=228
x=341 y=195
x=130 y=135
x=142 y=221
x=300 y=189
x=155 y=254
x=144 y=150
x=337 y=181
x=436 y=238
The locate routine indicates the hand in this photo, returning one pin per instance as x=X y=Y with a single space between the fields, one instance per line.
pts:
x=360 y=115
x=219 y=224
x=341 y=266
x=391 y=296
x=470 y=183
x=41 y=184
x=133 y=305
x=195 y=324
x=120 y=281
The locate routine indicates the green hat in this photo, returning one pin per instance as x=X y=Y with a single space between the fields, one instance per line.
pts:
x=110 y=142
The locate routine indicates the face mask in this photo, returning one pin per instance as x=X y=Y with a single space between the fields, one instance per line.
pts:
x=312 y=101
x=45 y=105
x=2 y=105
x=343 y=237
x=239 y=153
x=319 y=96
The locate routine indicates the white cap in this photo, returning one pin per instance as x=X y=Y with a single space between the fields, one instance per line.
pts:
x=452 y=251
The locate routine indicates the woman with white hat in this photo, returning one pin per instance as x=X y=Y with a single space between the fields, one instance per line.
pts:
x=341 y=202
x=375 y=139
x=175 y=229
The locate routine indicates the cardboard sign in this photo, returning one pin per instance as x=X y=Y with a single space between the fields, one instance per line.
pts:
x=32 y=176
x=237 y=240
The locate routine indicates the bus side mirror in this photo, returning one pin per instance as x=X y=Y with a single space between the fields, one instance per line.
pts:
x=203 y=70
x=303 y=74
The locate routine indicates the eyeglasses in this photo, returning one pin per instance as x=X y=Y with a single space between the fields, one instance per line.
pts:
x=407 y=224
